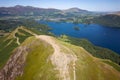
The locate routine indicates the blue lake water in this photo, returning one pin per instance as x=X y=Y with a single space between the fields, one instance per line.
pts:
x=106 y=37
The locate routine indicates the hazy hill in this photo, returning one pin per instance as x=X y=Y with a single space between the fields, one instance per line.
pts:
x=75 y=15
x=75 y=10
x=19 y=10
x=116 y=13
x=42 y=57
x=111 y=20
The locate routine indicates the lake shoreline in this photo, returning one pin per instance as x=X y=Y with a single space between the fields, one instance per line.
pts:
x=99 y=35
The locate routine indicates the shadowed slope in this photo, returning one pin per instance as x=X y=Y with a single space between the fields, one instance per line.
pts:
x=9 y=42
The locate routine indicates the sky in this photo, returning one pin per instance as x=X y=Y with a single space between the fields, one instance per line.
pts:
x=91 y=5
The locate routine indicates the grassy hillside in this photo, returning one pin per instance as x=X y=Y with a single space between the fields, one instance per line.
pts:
x=116 y=66
x=39 y=66
x=9 y=42
x=94 y=50
x=40 y=57
x=9 y=25
x=91 y=68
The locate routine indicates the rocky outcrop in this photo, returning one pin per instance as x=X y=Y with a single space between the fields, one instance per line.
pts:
x=15 y=65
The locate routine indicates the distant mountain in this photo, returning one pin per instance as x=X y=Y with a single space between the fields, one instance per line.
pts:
x=75 y=10
x=19 y=10
x=111 y=20
x=72 y=14
x=25 y=11
x=117 y=13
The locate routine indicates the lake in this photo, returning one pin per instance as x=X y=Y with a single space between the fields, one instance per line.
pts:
x=106 y=37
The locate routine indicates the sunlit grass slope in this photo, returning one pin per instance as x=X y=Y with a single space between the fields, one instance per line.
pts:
x=38 y=64
x=96 y=51
x=39 y=67
x=91 y=68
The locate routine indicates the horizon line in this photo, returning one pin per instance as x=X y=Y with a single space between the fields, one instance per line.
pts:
x=59 y=8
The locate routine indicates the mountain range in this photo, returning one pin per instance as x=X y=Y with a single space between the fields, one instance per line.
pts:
x=19 y=10
x=74 y=15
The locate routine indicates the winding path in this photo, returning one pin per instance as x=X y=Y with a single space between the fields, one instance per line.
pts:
x=60 y=60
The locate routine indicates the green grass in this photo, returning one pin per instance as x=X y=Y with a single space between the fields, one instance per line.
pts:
x=24 y=32
x=38 y=65
x=23 y=37
x=9 y=25
x=116 y=66
x=92 y=49
x=90 y=68
x=6 y=50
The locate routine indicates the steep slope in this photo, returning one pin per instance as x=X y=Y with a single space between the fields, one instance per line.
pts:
x=47 y=58
x=9 y=42
x=60 y=59
x=96 y=51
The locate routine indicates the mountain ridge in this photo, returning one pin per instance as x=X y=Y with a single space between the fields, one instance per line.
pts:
x=75 y=9
x=85 y=66
x=44 y=57
x=29 y=10
x=12 y=41
x=21 y=6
